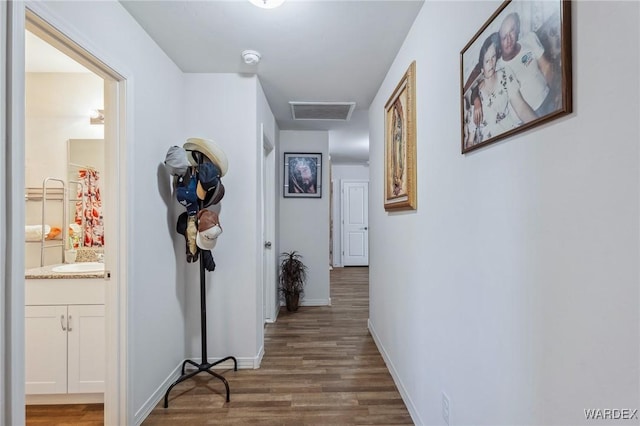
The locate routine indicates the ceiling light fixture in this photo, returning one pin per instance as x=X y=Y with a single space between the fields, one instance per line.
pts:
x=267 y=4
x=251 y=57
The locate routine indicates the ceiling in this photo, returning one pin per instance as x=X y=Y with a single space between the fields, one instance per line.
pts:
x=312 y=50
x=42 y=57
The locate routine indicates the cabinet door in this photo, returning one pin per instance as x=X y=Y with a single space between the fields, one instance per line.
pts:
x=87 y=337
x=45 y=349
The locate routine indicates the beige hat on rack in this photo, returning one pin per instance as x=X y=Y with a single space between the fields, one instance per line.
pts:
x=208 y=229
x=209 y=149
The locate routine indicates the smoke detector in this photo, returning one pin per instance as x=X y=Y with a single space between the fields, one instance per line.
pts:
x=251 y=57
x=267 y=4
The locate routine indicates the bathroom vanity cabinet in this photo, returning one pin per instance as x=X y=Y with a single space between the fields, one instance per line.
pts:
x=64 y=336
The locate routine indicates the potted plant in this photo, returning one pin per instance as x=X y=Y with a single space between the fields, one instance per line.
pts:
x=293 y=275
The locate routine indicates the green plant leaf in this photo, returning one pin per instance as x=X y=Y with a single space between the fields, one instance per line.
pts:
x=293 y=273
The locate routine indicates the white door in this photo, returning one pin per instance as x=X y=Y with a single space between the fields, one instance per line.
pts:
x=355 y=223
x=86 y=334
x=45 y=349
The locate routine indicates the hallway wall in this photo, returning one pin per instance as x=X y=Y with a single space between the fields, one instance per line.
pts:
x=349 y=143
x=514 y=286
x=304 y=222
x=223 y=107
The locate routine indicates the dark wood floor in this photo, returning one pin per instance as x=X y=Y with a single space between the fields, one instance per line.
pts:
x=321 y=366
x=65 y=415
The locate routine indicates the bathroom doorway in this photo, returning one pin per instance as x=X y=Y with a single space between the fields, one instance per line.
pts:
x=115 y=248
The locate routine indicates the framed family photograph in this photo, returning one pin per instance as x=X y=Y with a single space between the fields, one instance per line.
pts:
x=400 y=145
x=302 y=175
x=515 y=73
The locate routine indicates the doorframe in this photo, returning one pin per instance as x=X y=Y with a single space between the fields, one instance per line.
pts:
x=119 y=112
x=270 y=295
x=4 y=330
x=13 y=209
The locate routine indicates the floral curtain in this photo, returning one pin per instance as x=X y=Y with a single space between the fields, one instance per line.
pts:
x=93 y=221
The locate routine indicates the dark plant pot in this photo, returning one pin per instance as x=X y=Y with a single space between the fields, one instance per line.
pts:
x=292 y=301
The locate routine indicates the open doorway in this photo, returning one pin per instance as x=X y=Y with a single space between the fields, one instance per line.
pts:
x=64 y=168
x=350 y=206
x=113 y=315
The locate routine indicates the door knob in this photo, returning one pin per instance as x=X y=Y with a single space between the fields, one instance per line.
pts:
x=267 y=244
x=365 y=228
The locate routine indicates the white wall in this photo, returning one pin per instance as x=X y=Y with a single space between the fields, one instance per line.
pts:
x=265 y=116
x=514 y=286
x=57 y=108
x=304 y=222
x=155 y=103
x=7 y=402
x=350 y=171
x=223 y=107
x=340 y=172
x=349 y=143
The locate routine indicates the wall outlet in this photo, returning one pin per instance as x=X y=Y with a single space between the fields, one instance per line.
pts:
x=446 y=408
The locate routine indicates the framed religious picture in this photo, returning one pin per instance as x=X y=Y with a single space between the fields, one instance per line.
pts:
x=400 y=145
x=302 y=175
x=515 y=73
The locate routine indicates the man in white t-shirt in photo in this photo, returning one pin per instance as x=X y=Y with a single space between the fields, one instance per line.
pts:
x=525 y=57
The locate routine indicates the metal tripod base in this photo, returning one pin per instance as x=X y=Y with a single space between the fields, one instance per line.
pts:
x=200 y=368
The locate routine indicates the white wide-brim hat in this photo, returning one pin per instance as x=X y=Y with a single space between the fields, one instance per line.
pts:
x=210 y=149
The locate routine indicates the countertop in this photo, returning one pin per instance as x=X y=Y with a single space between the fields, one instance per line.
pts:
x=45 y=272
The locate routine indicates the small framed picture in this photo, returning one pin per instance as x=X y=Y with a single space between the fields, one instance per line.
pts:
x=302 y=175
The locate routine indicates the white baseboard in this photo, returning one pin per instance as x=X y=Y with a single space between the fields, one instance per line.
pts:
x=258 y=359
x=65 y=398
x=244 y=363
x=156 y=396
x=396 y=378
x=311 y=302
x=315 y=302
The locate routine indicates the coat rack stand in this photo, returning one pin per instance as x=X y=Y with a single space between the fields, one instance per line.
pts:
x=204 y=365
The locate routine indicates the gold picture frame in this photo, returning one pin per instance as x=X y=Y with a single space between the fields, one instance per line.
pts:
x=400 y=145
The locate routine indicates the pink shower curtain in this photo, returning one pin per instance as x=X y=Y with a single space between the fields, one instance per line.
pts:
x=93 y=222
